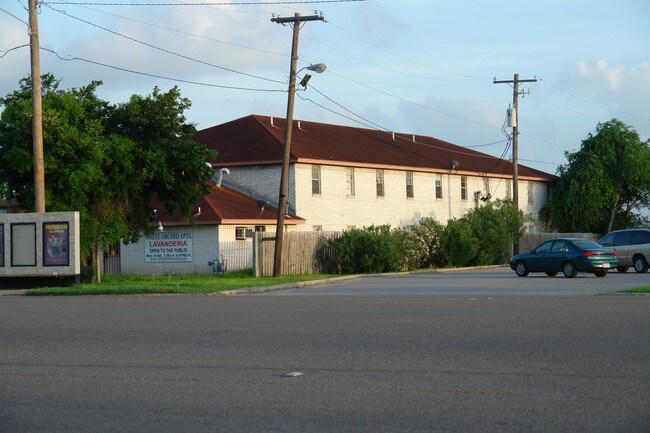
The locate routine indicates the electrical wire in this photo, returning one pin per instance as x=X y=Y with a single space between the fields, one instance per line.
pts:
x=5 y=52
x=206 y=3
x=186 y=33
x=468 y=77
x=163 y=49
x=155 y=75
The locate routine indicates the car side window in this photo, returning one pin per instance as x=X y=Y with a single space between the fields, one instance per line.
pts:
x=560 y=247
x=639 y=237
x=643 y=237
x=623 y=238
x=545 y=247
x=607 y=240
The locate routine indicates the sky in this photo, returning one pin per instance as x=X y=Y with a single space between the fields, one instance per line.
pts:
x=423 y=67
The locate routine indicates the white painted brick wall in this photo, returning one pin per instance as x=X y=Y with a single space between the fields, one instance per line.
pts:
x=334 y=210
x=205 y=242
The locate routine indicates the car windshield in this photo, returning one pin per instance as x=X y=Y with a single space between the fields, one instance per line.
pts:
x=586 y=245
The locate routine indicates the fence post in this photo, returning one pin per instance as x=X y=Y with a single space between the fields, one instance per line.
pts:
x=258 y=254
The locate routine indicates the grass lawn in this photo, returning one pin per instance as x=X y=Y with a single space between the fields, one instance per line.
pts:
x=186 y=284
x=645 y=289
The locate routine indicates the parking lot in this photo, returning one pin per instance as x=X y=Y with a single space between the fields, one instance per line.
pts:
x=494 y=281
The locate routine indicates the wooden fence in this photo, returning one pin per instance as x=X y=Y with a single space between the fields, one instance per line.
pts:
x=300 y=253
x=530 y=240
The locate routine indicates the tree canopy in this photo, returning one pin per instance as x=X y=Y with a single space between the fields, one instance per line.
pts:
x=603 y=183
x=107 y=161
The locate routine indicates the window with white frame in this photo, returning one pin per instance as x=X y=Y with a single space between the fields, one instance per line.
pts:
x=463 y=188
x=531 y=193
x=508 y=190
x=315 y=179
x=379 y=181
x=409 y=184
x=439 y=186
x=349 y=181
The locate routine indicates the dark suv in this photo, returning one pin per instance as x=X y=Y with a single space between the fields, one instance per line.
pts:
x=632 y=248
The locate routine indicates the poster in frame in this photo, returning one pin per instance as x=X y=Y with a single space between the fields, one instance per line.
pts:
x=56 y=243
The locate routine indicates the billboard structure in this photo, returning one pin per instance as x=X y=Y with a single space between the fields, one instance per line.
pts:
x=39 y=249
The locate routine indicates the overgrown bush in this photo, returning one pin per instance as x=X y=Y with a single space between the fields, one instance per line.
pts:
x=372 y=249
x=482 y=237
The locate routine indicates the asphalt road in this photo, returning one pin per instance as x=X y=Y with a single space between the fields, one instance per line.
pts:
x=448 y=363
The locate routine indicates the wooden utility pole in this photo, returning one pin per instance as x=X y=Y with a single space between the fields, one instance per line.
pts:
x=37 y=110
x=515 y=139
x=296 y=20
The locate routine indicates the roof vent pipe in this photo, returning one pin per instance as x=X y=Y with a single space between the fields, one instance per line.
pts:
x=272 y=121
x=413 y=138
x=393 y=136
x=220 y=177
x=299 y=125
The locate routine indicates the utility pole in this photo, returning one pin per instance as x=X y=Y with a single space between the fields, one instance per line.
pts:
x=37 y=110
x=515 y=139
x=295 y=21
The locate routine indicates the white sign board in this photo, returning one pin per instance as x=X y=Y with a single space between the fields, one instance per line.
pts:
x=168 y=247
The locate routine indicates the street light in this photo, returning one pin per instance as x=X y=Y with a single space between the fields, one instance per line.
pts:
x=284 y=177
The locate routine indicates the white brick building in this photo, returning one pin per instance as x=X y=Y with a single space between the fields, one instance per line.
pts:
x=344 y=177
x=340 y=178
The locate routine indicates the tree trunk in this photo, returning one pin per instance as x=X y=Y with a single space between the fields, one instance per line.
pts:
x=612 y=213
x=96 y=278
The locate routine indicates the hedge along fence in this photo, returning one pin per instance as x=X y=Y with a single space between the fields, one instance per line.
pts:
x=310 y=253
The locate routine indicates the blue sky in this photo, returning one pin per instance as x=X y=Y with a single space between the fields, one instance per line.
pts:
x=410 y=66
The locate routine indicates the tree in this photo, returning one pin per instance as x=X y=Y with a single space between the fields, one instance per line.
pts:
x=106 y=161
x=603 y=183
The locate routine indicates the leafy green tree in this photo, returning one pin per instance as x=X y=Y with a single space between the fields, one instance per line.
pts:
x=603 y=183
x=106 y=161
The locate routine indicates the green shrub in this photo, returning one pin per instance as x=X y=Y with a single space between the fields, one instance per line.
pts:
x=459 y=246
x=373 y=249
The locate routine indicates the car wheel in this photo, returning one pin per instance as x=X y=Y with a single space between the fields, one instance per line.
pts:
x=551 y=274
x=622 y=268
x=569 y=270
x=601 y=272
x=640 y=264
x=521 y=269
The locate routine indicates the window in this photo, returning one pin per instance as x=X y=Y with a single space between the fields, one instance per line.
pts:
x=409 y=184
x=439 y=186
x=315 y=179
x=379 y=180
x=240 y=233
x=531 y=193
x=349 y=181
x=508 y=190
x=260 y=229
x=463 y=188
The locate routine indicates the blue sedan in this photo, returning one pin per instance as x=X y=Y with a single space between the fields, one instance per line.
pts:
x=566 y=255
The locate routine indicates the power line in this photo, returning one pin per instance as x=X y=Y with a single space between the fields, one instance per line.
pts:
x=471 y=77
x=186 y=33
x=204 y=3
x=155 y=75
x=163 y=49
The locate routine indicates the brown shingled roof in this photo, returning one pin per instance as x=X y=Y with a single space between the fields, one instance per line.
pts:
x=225 y=206
x=258 y=139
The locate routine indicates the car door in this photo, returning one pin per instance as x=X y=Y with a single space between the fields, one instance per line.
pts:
x=622 y=241
x=558 y=255
x=538 y=261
